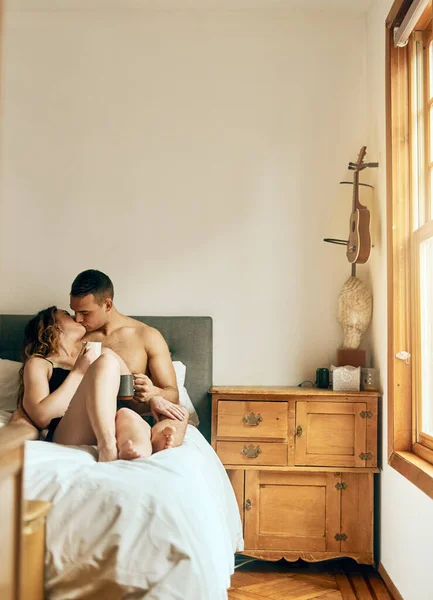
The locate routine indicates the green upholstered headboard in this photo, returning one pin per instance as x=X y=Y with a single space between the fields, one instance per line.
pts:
x=189 y=340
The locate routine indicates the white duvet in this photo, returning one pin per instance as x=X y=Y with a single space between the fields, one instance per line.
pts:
x=161 y=528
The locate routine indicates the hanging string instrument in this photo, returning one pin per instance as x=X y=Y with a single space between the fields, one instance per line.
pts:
x=359 y=242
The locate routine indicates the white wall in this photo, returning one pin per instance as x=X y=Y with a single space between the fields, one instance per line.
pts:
x=195 y=157
x=406 y=513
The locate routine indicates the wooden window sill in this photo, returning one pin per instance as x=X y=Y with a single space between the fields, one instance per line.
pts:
x=415 y=469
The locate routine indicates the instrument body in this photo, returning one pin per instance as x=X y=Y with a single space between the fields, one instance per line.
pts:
x=359 y=242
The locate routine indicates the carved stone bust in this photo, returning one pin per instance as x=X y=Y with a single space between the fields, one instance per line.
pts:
x=355 y=305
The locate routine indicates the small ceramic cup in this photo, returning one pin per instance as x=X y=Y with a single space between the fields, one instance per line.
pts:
x=322 y=378
x=126 y=388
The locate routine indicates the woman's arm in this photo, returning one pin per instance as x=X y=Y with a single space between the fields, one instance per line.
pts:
x=39 y=404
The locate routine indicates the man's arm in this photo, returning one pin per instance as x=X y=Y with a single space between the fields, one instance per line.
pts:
x=153 y=395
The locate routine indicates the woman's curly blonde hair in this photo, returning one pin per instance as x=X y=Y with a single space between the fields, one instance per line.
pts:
x=41 y=338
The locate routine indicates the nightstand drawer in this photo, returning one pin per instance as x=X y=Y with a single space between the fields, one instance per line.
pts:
x=252 y=453
x=252 y=420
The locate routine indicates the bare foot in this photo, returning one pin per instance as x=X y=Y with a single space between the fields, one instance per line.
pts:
x=163 y=439
x=168 y=433
x=107 y=454
x=128 y=452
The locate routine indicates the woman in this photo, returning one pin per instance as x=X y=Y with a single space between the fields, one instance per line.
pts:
x=66 y=389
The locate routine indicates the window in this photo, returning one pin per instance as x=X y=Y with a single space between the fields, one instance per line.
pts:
x=421 y=101
x=410 y=249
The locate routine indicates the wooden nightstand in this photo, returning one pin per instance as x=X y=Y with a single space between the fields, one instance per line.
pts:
x=301 y=462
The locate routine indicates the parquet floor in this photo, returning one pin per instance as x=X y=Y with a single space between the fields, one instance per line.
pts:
x=334 y=580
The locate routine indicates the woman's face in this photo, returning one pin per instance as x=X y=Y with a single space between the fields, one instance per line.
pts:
x=68 y=325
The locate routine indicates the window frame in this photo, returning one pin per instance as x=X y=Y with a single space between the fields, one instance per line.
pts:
x=414 y=460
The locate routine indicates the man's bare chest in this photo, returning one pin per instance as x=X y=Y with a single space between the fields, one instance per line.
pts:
x=128 y=345
x=134 y=355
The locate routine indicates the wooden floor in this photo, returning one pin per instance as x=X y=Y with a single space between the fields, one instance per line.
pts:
x=334 y=580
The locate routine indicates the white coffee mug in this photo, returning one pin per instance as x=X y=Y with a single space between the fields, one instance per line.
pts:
x=97 y=346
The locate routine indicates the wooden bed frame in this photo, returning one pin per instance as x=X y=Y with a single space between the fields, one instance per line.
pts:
x=12 y=439
x=189 y=340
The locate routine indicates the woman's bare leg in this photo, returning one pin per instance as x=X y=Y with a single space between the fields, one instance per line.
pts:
x=132 y=435
x=169 y=433
x=90 y=417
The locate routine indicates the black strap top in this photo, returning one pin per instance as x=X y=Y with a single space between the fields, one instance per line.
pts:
x=58 y=376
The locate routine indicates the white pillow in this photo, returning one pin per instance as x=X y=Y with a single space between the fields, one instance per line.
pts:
x=184 y=399
x=4 y=418
x=9 y=384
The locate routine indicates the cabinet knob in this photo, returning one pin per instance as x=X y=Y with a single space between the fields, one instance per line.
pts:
x=248 y=504
x=341 y=486
x=299 y=431
x=251 y=419
x=251 y=451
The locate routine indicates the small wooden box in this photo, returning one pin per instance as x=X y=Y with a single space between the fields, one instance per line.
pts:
x=354 y=358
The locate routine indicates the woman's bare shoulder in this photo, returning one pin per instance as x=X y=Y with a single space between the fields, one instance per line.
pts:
x=37 y=364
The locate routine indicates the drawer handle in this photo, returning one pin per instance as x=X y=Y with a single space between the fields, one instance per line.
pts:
x=251 y=451
x=366 y=456
x=251 y=419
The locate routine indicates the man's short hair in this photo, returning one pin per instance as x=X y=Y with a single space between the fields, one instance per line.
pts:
x=93 y=282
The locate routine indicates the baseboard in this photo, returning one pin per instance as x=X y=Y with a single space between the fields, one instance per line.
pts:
x=389 y=583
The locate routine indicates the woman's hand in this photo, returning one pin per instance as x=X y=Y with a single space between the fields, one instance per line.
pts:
x=162 y=408
x=86 y=357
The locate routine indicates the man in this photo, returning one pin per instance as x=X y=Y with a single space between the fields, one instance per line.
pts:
x=141 y=347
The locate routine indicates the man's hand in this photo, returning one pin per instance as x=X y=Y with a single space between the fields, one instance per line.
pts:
x=144 y=388
x=149 y=395
x=162 y=408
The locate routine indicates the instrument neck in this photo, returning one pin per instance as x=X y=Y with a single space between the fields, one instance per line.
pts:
x=355 y=199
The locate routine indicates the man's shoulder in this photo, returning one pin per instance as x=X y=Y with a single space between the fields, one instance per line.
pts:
x=137 y=326
x=132 y=326
x=152 y=338
x=134 y=323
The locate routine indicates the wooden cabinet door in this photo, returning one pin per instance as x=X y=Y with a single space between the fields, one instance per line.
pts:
x=357 y=513
x=291 y=511
x=330 y=434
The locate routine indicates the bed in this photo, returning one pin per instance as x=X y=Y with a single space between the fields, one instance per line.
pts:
x=162 y=528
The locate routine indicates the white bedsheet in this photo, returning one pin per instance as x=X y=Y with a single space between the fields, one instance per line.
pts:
x=162 y=528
